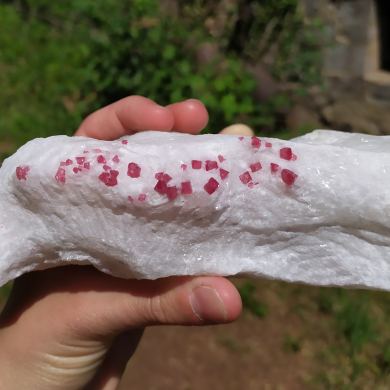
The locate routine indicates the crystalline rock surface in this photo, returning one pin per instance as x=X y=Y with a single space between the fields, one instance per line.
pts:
x=315 y=209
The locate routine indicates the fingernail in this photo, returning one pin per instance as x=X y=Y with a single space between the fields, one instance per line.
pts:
x=207 y=304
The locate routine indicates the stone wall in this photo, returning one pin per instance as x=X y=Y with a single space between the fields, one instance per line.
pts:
x=358 y=90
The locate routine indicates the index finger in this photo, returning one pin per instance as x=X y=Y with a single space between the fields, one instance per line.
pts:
x=137 y=113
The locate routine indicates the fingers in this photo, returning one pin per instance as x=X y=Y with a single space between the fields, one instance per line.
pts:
x=136 y=113
x=190 y=116
x=126 y=116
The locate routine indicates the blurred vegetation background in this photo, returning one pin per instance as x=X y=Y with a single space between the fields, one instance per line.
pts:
x=248 y=61
x=61 y=60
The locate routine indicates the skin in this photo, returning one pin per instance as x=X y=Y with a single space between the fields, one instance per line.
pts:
x=76 y=328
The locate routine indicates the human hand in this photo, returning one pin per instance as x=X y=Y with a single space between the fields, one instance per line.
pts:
x=74 y=327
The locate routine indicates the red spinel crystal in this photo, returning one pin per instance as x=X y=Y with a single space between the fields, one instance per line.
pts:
x=80 y=160
x=211 y=186
x=161 y=187
x=255 y=142
x=255 y=167
x=274 y=167
x=100 y=159
x=268 y=145
x=133 y=170
x=21 y=172
x=106 y=167
x=75 y=169
x=286 y=153
x=221 y=158
x=241 y=138
x=109 y=178
x=183 y=167
x=87 y=165
x=142 y=197
x=125 y=141
x=210 y=165
x=196 y=164
x=172 y=192
x=68 y=162
x=186 y=188
x=223 y=173
x=288 y=177
x=163 y=177
x=60 y=175
x=246 y=177
x=115 y=159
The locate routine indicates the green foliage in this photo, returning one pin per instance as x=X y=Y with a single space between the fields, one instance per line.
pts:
x=61 y=60
x=250 y=302
x=4 y=292
x=355 y=322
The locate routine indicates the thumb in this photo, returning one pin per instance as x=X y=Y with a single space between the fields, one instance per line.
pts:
x=95 y=305
x=176 y=300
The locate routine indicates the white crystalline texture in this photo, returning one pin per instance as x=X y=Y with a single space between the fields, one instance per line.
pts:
x=315 y=209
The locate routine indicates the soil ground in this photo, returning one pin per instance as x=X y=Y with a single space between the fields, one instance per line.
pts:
x=295 y=345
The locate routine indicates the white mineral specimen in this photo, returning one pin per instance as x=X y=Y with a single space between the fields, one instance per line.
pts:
x=313 y=210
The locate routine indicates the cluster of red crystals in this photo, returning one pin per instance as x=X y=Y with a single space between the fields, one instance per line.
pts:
x=210 y=165
x=286 y=153
x=288 y=177
x=116 y=159
x=246 y=177
x=255 y=142
x=133 y=170
x=274 y=167
x=110 y=179
x=142 y=197
x=183 y=167
x=21 y=172
x=186 y=188
x=80 y=160
x=223 y=173
x=211 y=186
x=255 y=167
x=196 y=164
x=268 y=145
x=221 y=158
x=100 y=159
x=60 y=175
x=125 y=142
